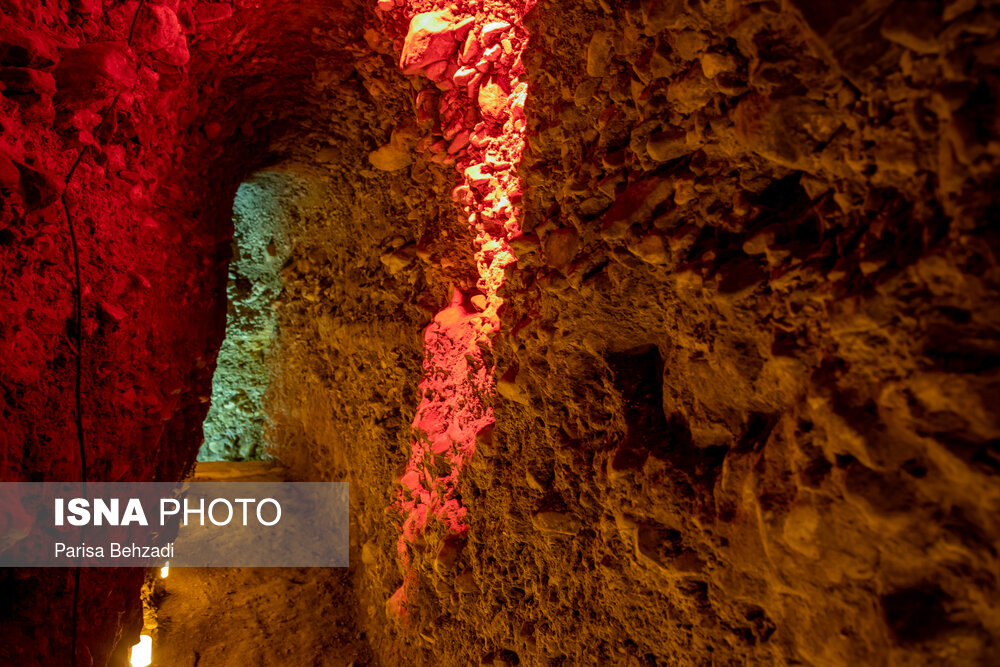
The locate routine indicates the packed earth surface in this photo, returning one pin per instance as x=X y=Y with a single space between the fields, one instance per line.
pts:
x=648 y=332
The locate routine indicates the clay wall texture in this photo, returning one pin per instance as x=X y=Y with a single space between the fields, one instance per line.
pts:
x=744 y=373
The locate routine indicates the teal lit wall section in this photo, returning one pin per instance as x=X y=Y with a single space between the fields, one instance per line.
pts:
x=235 y=428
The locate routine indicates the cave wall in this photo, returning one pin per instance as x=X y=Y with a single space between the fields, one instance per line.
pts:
x=758 y=325
x=133 y=123
x=747 y=360
x=746 y=366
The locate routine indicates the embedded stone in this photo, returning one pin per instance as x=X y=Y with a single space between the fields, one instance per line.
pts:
x=714 y=64
x=599 y=54
x=27 y=50
x=432 y=37
x=156 y=27
x=396 y=154
x=390 y=157
x=691 y=91
x=652 y=249
x=510 y=389
x=399 y=259
x=9 y=175
x=22 y=81
x=561 y=246
x=94 y=72
x=492 y=101
x=175 y=54
x=637 y=202
x=914 y=25
x=667 y=145
x=558 y=523
x=41 y=189
x=492 y=32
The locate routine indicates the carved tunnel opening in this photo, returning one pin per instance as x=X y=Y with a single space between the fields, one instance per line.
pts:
x=235 y=428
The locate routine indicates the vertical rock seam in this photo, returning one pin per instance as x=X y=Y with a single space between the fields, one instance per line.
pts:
x=471 y=52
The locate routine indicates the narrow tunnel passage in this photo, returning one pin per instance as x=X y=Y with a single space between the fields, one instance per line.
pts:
x=644 y=333
x=253 y=616
x=235 y=426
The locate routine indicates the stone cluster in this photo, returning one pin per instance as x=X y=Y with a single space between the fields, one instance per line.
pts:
x=474 y=64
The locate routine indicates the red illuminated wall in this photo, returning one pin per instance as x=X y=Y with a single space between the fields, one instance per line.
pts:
x=129 y=126
x=472 y=60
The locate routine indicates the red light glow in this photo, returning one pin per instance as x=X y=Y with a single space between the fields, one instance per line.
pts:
x=472 y=53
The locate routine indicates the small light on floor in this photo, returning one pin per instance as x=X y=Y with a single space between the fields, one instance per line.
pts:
x=142 y=653
x=165 y=570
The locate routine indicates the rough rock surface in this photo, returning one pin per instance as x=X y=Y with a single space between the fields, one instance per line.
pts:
x=135 y=159
x=746 y=364
x=235 y=426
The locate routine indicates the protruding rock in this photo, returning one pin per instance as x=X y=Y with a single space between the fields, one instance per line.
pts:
x=433 y=37
x=478 y=302
x=561 y=246
x=41 y=189
x=110 y=310
x=599 y=54
x=22 y=81
x=395 y=155
x=390 y=158
x=689 y=44
x=667 y=145
x=479 y=179
x=635 y=203
x=508 y=387
x=914 y=24
x=94 y=73
x=492 y=101
x=785 y=131
x=471 y=49
x=492 y=32
x=27 y=50
x=156 y=27
x=559 y=523
x=850 y=30
x=464 y=75
x=651 y=248
x=399 y=259
x=91 y=8
x=447 y=555
x=659 y=15
x=176 y=54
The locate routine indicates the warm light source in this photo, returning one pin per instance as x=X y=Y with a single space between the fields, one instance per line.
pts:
x=142 y=653
x=165 y=570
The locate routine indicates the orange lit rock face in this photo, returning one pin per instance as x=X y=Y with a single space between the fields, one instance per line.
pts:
x=738 y=403
x=475 y=63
